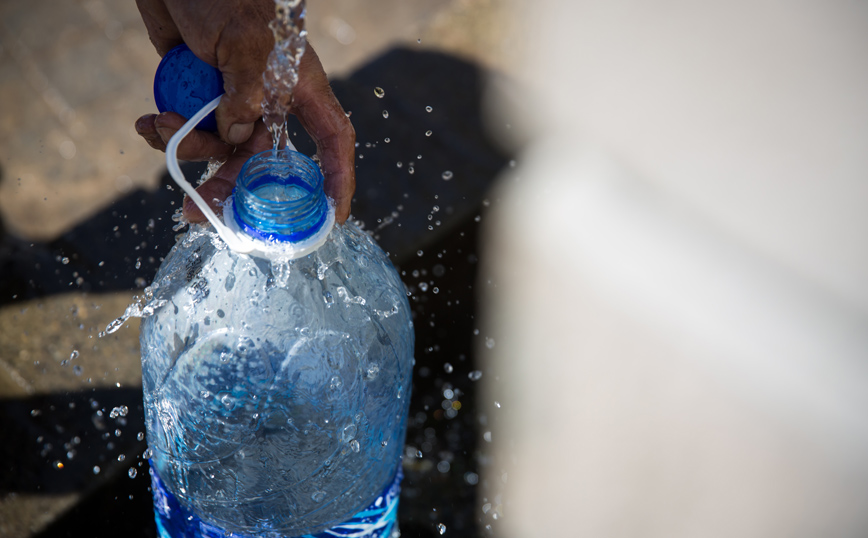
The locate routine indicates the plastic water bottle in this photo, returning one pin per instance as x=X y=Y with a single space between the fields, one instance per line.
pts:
x=277 y=382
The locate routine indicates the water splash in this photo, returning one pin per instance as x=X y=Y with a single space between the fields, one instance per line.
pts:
x=281 y=72
x=145 y=305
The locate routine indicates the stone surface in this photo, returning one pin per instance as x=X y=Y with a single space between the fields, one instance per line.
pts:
x=39 y=338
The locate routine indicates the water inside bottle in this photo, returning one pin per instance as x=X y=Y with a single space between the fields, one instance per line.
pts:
x=264 y=400
x=280 y=189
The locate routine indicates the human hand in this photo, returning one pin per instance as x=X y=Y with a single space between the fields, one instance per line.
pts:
x=233 y=35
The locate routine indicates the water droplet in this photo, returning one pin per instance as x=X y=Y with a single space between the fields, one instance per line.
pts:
x=379 y=92
x=148 y=453
x=122 y=457
x=429 y=132
x=487 y=437
x=441 y=528
x=423 y=287
x=77 y=370
x=497 y=404
x=58 y=464
x=132 y=472
x=475 y=375
x=428 y=109
x=418 y=453
x=385 y=113
x=73 y=355
x=96 y=469
x=140 y=436
x=489 y=342
x=114 y=325
x=399 y=164
x=355 y=445
x=335 y=382
x=384 y=443
x=447 y=175
x=348 y=433
x=448 y=367
x=318 y=496
x=120 y=411
x=387 y=140
x=64 y=260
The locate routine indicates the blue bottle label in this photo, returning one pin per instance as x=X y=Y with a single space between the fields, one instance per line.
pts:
x=375 y=521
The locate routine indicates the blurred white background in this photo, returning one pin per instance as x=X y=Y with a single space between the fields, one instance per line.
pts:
x=677 y=274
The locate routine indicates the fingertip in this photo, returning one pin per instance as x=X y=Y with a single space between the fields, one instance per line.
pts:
x=172 y=120
x=343 y=202
x=145 y=124
x=192 y=212
x=341 y=215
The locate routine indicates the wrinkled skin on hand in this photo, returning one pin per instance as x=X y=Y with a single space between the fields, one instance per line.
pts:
x=233 y=35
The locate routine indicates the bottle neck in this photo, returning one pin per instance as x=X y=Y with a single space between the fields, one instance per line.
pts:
x=279 y=197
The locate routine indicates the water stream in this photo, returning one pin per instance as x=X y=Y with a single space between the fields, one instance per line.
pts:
x=281 y=73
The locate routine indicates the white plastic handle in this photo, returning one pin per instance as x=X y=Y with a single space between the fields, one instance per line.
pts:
x=233 y=240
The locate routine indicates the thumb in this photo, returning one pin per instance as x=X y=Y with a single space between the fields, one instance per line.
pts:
x=241 y=57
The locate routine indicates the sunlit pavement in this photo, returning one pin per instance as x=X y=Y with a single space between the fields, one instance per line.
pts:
x=85 y=213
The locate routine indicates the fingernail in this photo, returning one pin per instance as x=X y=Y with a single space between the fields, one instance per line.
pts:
x=191 y=210
x=240 y=132
x=165 y=133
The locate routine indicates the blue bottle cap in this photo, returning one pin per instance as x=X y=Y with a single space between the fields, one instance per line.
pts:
x=184 y=84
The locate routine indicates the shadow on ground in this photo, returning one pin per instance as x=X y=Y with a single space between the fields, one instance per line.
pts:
x=422 y=176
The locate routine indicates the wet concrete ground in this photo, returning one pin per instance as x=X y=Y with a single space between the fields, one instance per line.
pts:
x=85 y=210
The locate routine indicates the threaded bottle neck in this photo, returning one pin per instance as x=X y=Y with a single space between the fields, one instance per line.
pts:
x=279 y=197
